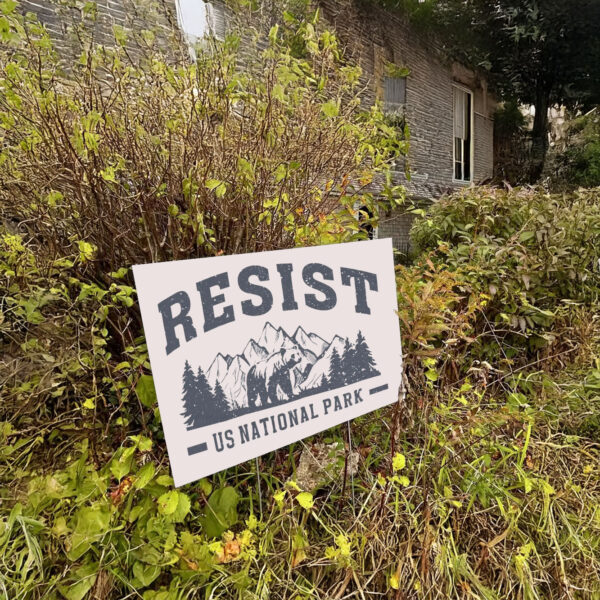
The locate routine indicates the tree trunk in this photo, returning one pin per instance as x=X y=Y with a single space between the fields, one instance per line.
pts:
x=539 y=136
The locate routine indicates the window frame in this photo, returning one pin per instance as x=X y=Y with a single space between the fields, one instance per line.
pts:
x=465 y=89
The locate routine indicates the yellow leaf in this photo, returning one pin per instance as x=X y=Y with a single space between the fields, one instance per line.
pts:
x=305 y=500
x=398 y=462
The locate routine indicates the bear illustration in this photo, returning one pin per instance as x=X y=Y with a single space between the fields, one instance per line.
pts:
x=271 y=373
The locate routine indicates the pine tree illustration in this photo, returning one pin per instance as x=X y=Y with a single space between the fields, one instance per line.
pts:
x=363 y=359
x=336 y=376
x=324 y=383
x=220 y=405
x=190 y=398
x=205 y=400
x=348 y=363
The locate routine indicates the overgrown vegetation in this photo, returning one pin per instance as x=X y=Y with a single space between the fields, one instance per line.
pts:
x=484 y=482
x=578 y=164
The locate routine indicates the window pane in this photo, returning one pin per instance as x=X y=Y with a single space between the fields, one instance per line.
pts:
x=463 y=135
x=458 y=149
x=467 y=160
x=460 y=107
x=394 y=93
x=192 y=15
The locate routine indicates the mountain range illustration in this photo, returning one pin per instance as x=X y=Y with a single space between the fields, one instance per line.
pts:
x=275 y=369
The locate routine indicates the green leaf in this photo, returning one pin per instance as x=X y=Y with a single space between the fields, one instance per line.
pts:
x=144 y=476
x=280 y=173
x=221 y=512
x=145 y=574
x=89 y=404
x=526 y=236
x=431 y=374
x=167 y=503
x=273 y=34
x=84 y=580
x=398 y=462
x=91 y=523
x=121 y=463
x=145 y=391
x=86 y=251
x=7 y=6
x=330 y=109
x=216 y=186
x=206 y=486
x=183 y=508
x=108 y=174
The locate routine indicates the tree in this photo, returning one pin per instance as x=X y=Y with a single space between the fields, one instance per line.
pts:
x=190 y=399
x=363 y=359
x=220 y=405
x=336 y=375
x=540 y=52
x=205 y=398
x=324 y=383
x=348 y=362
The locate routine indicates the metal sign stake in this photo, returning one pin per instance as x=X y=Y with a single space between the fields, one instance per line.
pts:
x=259 y=489
x=351 y=466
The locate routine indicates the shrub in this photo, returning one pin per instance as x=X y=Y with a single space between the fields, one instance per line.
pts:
x=125 y=159
x=129 y=158
x=580 y=163
x=150 y=158
x=527 y=251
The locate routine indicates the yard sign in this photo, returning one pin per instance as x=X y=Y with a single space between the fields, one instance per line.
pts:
x=253 y=352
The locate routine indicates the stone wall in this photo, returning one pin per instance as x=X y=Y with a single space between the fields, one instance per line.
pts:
x=61 y=19
x=375 y=37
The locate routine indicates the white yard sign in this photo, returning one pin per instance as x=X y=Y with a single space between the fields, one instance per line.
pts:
x=252 y=352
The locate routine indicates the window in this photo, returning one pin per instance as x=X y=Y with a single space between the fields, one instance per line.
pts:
x=463 y=134
x=365 y=221
x=199 y=19
x=394 y=94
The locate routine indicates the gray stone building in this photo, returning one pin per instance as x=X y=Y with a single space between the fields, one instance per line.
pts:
x=447 y=107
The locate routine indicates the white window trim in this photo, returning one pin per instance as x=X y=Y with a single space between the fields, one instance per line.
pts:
x=472 y=144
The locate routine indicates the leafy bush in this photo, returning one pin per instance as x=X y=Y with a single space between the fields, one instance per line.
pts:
x=527 y=251
x=580 y=163
x=482 y=483
x=151 y=158
x=131 y=158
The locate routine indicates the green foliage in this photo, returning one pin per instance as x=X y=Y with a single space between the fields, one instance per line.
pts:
x=128 y=158
x=508 y=120
x=580 y=163
x=505 y=450
x=540 y=52
x=162 y=159
x=525 y=252
x=482 y=483
x=221 y=512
